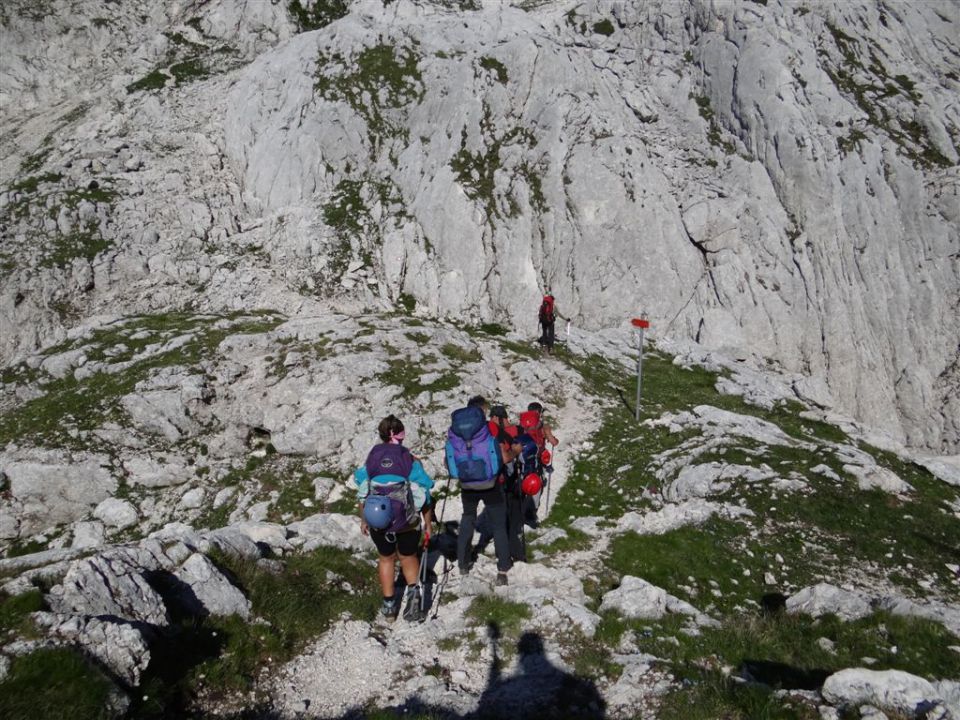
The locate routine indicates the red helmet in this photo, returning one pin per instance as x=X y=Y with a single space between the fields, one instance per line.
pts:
x=545 y=456
x=532 y=484
x=529 y=419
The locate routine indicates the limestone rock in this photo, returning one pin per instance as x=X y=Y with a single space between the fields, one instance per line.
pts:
x=88 y=534
x=54 y=486
x=111 y=584
x=637 y=598
x=212 y=592
x=331 y=530
x=825 y=598
x=121 y=647
x=673 y=516
x=116 y=513
x=887 y=689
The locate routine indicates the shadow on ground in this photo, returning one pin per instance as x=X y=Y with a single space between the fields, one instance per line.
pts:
x=538 y=690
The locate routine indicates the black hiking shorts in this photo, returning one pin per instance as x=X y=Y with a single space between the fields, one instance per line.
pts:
x=404 y=543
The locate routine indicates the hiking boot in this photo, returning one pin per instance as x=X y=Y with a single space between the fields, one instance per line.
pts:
x=465 y=569
x=412 y=612
x=502 y=578
x=389 y=609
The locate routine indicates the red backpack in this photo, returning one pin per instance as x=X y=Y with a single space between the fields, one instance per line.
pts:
x=546 y=309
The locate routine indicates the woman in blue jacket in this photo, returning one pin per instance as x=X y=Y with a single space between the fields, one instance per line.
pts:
x=393 y=489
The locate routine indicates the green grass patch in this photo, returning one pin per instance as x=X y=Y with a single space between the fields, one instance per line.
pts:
x=496 y=67
x=604 y=27
x=708 y=558
x=407 y=377
x=461 y=355
x=189 y=70
x=506 y=615
x=476 y=171
x=15 y=613
x=154 y=80
x=83 y=242
x=19 y=548
x=379 y=80
x=317 y=14
x=54 y=683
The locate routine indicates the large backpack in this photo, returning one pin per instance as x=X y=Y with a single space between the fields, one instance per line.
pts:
x=473 y=455
x=546 y=309
x=393 y=463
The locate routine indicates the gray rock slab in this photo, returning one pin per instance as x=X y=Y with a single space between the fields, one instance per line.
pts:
x=824 y=598
x=211 y=589
x=55 y=487
x=886 y=689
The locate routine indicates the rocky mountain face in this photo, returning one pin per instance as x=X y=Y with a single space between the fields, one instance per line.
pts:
x=775 y=180
x=233 y=236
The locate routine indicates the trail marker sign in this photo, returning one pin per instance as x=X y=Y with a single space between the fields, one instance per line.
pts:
x=640 y=324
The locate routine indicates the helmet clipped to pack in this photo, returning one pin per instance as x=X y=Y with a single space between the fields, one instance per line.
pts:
x=545 y=456
x=532 y=484
x=377 y=512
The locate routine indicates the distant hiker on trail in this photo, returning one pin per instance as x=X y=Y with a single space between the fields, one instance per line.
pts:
x=392 y=489
x=475 y=460
x=546 y=317
x=506 y=435
x=533 y=427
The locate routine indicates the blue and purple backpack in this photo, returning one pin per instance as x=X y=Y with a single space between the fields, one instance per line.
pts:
x=391 y=464
x=473 y=455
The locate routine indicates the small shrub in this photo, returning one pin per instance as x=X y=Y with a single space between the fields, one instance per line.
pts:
x=604 y=27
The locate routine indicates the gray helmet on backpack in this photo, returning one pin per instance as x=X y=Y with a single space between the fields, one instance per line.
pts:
x=377 y=512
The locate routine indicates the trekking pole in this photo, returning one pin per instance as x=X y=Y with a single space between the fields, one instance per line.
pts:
x=546 y=502
x=422 y=575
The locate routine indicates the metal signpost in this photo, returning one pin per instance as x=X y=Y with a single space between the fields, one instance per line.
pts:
x=641 y=323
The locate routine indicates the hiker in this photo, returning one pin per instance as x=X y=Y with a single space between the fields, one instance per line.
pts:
x=510 y=449
x=474 y=459
x=393 y=490
x=532 y=425
x=547 y=316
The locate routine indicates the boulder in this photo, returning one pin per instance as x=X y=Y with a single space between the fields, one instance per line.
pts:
x=330 y=530
x=210 y=590
x=116 y=513
x=120 y=646
x=88 y=534
x=886 y=689
x=637 y=598
x=824 y=598
x=113 y=584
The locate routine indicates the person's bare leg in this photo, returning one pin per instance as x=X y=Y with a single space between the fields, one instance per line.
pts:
x=410 y=567
x=387 y=568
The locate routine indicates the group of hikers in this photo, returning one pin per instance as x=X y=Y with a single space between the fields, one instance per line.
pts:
x=502 y=465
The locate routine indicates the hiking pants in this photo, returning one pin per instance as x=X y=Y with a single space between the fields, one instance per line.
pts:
x=495 y=505
x=515 y=537
x=548 y=333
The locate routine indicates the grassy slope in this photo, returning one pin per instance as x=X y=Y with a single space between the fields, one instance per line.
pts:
x=820 y=533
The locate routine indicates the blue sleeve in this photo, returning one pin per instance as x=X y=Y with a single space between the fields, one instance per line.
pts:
x=362 y=479
x=419 y=477
x=451 y=465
